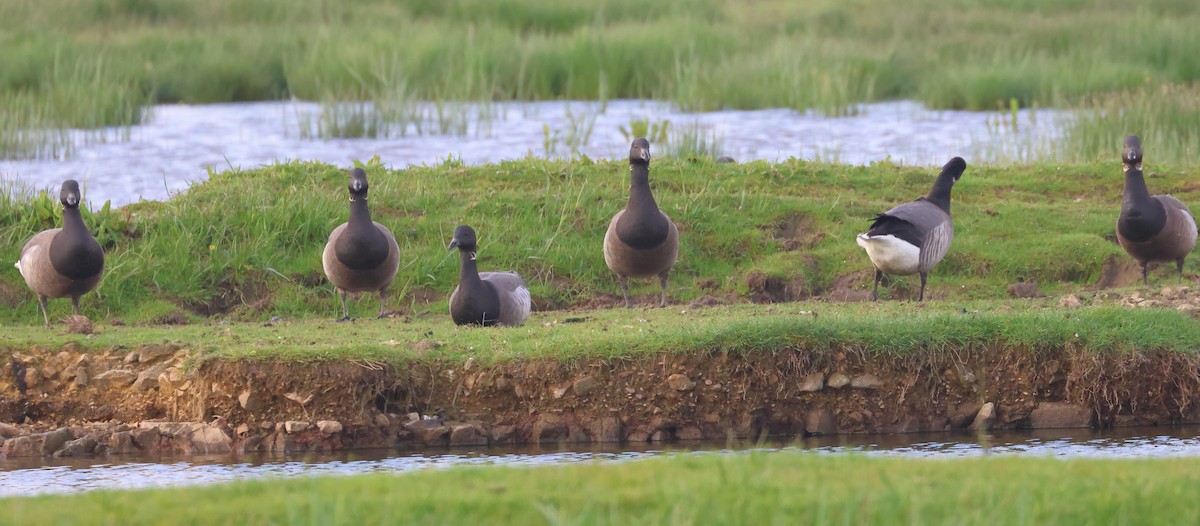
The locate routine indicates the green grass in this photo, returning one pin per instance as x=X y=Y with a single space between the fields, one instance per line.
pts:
x=753 y=488
x=246 y=244
x=67 y=64
x=888 y=329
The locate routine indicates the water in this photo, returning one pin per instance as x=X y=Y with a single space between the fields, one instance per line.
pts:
x=179 y=144
x=31 y=476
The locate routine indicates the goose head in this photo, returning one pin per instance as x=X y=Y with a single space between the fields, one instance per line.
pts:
x=358 y=184
x=1132 y=153
x=69 y=195
x=464 y=239
x=639 y=151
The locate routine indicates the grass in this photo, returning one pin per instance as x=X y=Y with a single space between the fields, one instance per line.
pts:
x=246 y=244
x=888 y=329
x=70 y=66
x=757 y=487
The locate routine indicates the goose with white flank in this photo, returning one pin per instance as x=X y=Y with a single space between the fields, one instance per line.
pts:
x=641 y=240
x=1152 y=227
x=361 y=255
x=62 y=262
x=913 y=237
x=485 y=298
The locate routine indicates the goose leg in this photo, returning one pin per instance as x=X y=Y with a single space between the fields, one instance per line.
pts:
x=345 y=311
x=1179 y=267
x=921 y=297
x=875 y=290
x=382 y=298
x=625 y=291
x=75 y=304
x=1145 y=280
x=42 y=304
x=663 y=278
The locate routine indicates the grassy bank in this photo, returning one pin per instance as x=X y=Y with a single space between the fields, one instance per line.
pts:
x=246 y=245
x=96 y=64
x=871 y=330
x=709 y=489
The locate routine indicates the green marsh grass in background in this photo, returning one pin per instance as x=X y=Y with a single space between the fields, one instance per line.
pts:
x=98 y=64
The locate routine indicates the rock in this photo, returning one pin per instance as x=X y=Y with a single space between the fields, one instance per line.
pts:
x=55 y=440
x=680 y=382
x=81 y=376
x=606 y=429
x=148 y=379
x=725 y=159
x=80 y=447
x=502 y=434
x=812 y=383
x=329 y=427
x=963 y=414
x=1069 y=301
x=295 y=426
x=820 y=422
x=9 y=430
x=121 y=443
x=585 y=385
x=242 y=429
x=170 y=380
x=115 y=378
x=429 y=432
x=560 y=391
x=689 y=433
x=1024 y=289
x=838 y=380
x=463 y=434
x=983 y=419
x=211 y=440
x=549 y=428
x=78 y=324
x=23 y=446
x=251 y=401
x=382 y=420
x=866 y=381
x=153 y=353
x=146 y=439
x=130 y=358
x=33 y=377
x=299 y=398
x=1056 y=414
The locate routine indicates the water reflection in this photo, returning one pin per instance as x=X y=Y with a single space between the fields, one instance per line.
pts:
x=29 y=476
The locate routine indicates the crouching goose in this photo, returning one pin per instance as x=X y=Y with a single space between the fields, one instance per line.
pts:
x=1152 y=227
x=641 y=241
x=62 y=262
x=361 y=255
x=485 y=298
x=913 y=237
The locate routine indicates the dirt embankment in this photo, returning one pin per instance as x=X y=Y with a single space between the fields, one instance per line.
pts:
x=70 y=402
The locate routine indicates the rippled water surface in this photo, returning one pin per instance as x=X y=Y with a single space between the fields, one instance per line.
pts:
x=20 y=477
x=178 y=144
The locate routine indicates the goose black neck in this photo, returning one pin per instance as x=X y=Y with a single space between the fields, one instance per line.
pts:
x=642 y=226
x=361 y=246
x=468 y=271
x=940 y=193
x=74 y=253
x=1142 y=216
x=640 y=196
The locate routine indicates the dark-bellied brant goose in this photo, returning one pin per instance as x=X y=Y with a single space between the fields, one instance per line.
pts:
x=1152 y=227
x=641 y=240
x=913 y=237
x=361 y=255
x=485 y=298
x=62 y=262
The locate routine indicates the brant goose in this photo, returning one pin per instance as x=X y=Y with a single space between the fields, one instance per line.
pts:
x=641 y=240
x=361 y=255
x=913 y=237
x=485 y=298
x=62 y=262
x=1152 y=228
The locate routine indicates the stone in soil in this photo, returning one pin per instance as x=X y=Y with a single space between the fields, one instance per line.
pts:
x=80 y=447
x=820 y=421
x=464 y=434
x=329 y=427
x=295 y=426
x=1056 y=414
x=429 y=432
x=812 y=383
x=983 y=419
x=54 y=440
x=115 y=378
x=866 y=381
x=585 y=385
x=252 y=401
x=210 y=440
x=680 y=382
x=838 y=380
x=8 y=430
x=606 y=429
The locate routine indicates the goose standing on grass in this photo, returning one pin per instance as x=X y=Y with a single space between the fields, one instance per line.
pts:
x=485 y=298
x=361 y=255
x=913 y=237
x=641 y=240
x=1152 y=227
x=62 y=262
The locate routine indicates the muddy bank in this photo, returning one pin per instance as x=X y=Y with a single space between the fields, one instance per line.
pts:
x=76 y=402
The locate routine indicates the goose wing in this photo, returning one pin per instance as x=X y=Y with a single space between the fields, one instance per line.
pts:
x=922 y=223
x=515 y=302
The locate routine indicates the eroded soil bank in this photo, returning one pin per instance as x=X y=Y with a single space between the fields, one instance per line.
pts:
x=72 y=402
